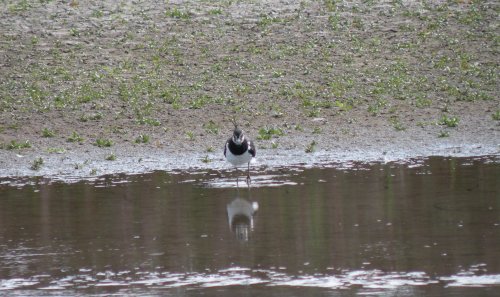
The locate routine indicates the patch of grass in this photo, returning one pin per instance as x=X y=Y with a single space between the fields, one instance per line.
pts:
x=14 y=145
x=422 y=102
x=311 y=147
x=20 y=6
x=177 y=13
x=215 y=11
x=274 y=145
x=91 y=117
x=149 y=121
x=199 y=102
x=190 y=135
x=55 y=150
x=211 y=127
x=143 y=138
x=396 y=124
x=317 y=130
x=206 y=159
x=48 y=133
x=111 y=157
x=449 y=121
x=496 y=115
x=37 y=164
x=443 y=133
x=103 y=142
x=74 y=137
x=267 y=133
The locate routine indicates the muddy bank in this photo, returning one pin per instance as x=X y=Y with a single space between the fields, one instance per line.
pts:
x=105 y=87
x=93 y=162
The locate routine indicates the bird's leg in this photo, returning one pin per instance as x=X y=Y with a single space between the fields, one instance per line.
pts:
x=248 y=174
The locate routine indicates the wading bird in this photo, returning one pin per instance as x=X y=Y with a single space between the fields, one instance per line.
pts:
x=239 y=150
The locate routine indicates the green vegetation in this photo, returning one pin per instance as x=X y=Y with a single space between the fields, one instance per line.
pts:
x=103 y=142
x=373 y=59
x=142 y=138
x=311 y=147
x=211 y=127
x=48 y=133
x=75 y=137
x=55 y=150
x=449 y=121
x=14 y=145
x=190 y=135
x=177 y=13
x=443 y=133
x=396 y=124
x=206 y=159
x=496 y=115
x=267 y=133
x=111 y=157
x=37 y=164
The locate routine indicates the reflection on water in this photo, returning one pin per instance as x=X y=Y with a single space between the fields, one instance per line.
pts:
x=240 y=213
x=427 y=227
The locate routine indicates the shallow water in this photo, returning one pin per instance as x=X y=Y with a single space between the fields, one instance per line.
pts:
x=418 y=228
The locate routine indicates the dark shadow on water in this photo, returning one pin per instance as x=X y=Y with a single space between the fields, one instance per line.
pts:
x=420 y=228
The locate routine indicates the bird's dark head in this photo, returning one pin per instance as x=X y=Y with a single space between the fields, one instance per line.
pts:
x=238 y=136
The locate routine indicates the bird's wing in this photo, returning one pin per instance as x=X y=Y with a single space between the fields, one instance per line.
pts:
x=251 y=148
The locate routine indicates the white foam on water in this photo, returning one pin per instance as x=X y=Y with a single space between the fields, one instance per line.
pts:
x=258 y=181
x=472 y=280
x=372 y=280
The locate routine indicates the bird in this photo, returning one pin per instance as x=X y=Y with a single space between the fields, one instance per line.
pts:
x=239 y=151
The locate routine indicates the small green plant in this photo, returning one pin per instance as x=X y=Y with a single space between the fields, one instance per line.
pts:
x=190 y=135
x=55 y=150
x=74 y=137
x=211 y=127
x=111 y=157
x=267 y=133
x=311 y=147
x=317 y=130
x=37 y=164
x=274 y=145
x=422 y=102
x=74 y=32
x=149 y=121
x=443 y=133
x=449 y=121
x=14 y=145
x=142 y=139
x=103 y=142
x=93 y=171
x=48 y=133
x=206 y=159
x=215 y=11
x=396 y=124
x=496 y=115
x=178 y=14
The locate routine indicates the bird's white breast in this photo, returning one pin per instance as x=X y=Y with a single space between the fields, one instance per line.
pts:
x=237 y=160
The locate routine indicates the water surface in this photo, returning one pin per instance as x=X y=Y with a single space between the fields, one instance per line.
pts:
x=419 y=228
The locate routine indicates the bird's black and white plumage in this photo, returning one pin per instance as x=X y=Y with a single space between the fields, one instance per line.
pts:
x=239 y=150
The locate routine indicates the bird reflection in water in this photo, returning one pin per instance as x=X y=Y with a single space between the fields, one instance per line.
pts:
x=240 y=213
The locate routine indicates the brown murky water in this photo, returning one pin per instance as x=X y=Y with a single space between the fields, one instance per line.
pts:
x=424 y=228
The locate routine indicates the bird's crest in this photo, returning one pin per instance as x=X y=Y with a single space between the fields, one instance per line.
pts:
x=234 y=123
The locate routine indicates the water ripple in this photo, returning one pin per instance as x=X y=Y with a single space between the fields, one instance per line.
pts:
x=238 y=276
